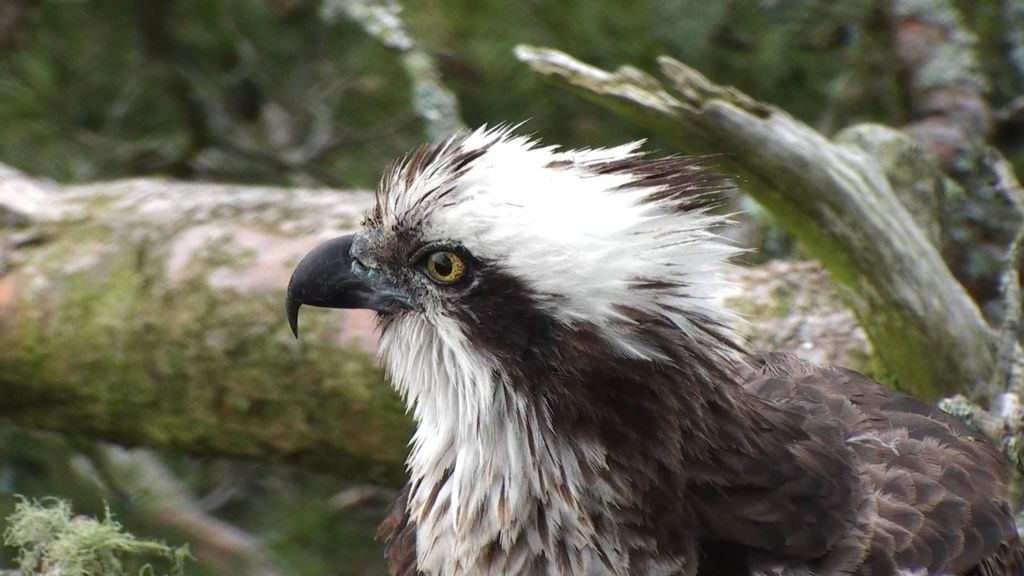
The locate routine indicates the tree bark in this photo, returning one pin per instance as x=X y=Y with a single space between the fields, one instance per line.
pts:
x=150 y=312
x=12 y=14
x=833 y=197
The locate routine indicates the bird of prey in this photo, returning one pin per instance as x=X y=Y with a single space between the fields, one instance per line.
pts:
x=583 y=407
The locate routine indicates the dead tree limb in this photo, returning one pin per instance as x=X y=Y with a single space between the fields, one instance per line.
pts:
x=834 y=198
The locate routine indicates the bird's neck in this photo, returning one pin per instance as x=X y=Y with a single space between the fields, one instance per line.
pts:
x=552 y=459
x=490 y=473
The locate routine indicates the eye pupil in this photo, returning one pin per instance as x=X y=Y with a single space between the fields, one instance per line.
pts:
x=442 y=264
x=444 y=267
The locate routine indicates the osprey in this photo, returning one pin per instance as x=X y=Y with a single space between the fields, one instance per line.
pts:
x=583 y=408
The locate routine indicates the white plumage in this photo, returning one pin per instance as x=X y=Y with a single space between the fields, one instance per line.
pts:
x=581 y=239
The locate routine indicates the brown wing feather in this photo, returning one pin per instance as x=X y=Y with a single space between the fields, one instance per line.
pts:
x=939 y=490
x=1008 y=560
x=399 y=535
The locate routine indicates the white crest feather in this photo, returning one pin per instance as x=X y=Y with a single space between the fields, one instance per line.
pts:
x=582 y=239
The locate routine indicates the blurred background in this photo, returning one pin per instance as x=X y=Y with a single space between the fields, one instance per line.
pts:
x=327 y=93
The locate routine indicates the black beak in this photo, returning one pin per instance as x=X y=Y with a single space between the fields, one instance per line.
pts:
x=332 y=277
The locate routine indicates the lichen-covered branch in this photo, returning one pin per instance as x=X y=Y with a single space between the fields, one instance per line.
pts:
x=834 y=198
x=149 y=312
x=1011 y=361
x=50 y=541
x=951 y=117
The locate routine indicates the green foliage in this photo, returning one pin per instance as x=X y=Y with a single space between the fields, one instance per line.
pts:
x=271 y=91
x=240 y=90
x=788 y=52
x=277 y=92
x=50 y=540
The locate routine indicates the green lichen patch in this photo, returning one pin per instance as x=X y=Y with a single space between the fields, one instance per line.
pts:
x=50 y=540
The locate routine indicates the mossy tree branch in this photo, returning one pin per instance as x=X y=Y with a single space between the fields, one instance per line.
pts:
x=834 y=198
x=150 y=312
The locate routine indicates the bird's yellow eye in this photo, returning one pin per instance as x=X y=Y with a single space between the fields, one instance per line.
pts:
x=445 y=267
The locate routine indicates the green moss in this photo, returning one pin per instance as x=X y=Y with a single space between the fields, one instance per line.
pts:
x=117 y=351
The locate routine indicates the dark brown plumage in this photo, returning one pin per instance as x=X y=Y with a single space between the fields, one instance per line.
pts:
x=944 y=506
x=786 y=491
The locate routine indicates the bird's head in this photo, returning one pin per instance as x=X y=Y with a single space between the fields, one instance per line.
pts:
x=493 y=242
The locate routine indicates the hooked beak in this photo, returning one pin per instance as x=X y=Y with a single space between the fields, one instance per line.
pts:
x=331 y=276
